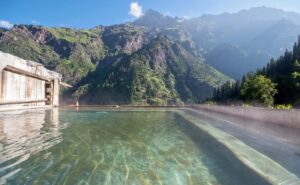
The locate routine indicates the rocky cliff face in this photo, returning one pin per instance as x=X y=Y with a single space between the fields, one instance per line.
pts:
x=38 y=34
x=161 y=72
x=124 y=38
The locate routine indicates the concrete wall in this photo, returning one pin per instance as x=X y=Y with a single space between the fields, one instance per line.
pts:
x=55 y=100
x=23 y=83
x=16 y=87
x=288 y=118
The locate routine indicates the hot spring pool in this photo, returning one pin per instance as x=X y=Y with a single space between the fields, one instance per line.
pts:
x=96 y=146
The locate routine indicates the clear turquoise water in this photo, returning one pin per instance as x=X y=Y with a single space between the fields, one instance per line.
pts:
x=93 y=146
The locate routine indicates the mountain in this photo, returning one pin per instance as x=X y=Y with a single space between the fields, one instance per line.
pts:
x=156 y=59
x=238 y=28
x=261 y=32
x=235 y=61
x=121 y=64
x=162 y=72
x=154 y=19
x=71 y=52
x=273 y=39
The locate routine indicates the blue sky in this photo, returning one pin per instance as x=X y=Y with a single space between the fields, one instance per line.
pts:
x=89 y=13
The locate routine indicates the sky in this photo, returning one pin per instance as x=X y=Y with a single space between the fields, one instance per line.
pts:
x=90 y=13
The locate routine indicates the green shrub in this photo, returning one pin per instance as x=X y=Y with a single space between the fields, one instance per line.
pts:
x=259 y=88
x=246 y=105
x=210 y=103
x=284 y=107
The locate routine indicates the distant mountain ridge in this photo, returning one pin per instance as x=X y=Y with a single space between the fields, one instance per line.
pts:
x=261 y=30
x=156 y=59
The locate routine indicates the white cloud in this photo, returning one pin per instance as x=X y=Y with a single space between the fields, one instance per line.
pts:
x=35 y=22
x=136 y=10
x=5 y=24
x=167 y=13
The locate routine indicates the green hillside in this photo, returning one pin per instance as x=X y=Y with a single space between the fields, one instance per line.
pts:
x=121 y=64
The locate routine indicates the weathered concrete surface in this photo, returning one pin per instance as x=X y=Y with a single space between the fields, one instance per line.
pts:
x=280 y=143
x=287 y=118
x=265 y=167
x=23 y=83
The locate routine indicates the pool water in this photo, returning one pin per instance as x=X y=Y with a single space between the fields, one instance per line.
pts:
x=94 y=146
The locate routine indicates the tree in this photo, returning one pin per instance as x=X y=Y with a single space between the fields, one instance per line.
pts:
x=259 y=88
x=228 y=91
x=296 y=71
x=296 y=75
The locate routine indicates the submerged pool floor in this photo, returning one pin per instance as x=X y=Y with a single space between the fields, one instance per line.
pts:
x=107 y=147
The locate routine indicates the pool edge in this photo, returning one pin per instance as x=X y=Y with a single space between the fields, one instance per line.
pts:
x=269 y=170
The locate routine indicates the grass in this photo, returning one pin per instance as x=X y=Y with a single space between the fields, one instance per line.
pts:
x=73 y=35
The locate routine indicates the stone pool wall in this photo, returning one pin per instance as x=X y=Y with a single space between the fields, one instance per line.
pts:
x=252 y=165
x=288 y=118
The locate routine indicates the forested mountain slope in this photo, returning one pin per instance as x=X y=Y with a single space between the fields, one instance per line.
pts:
x=117 y=64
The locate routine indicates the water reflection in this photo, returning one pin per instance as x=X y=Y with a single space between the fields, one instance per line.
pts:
x=106 y=147
x=24 y=133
